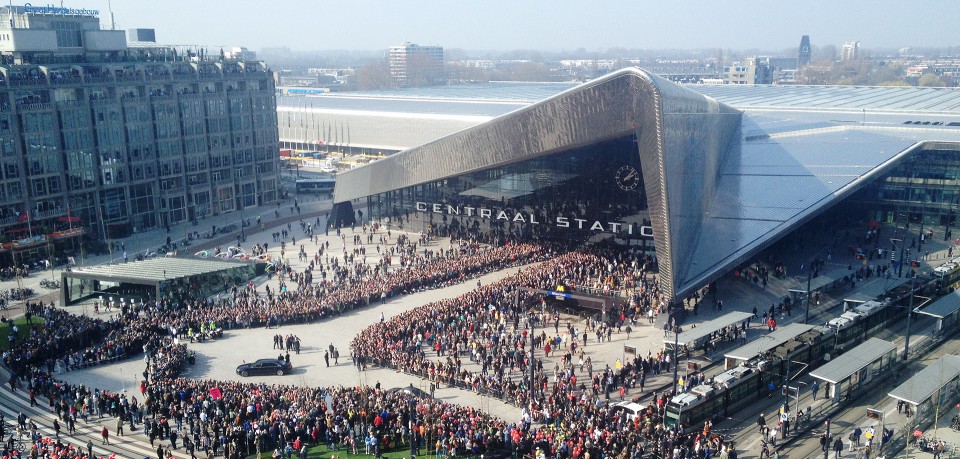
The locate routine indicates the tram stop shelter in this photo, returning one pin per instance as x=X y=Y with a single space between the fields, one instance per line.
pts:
x=855 y=368
x=765 y=344
x=156 y=278
x=945 y=310
x=695 y=338
x=823 y=282
x=856 y=299
x=934 y=386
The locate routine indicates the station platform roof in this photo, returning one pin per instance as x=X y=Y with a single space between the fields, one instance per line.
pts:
x=928 y=381
x=693 y=335
x=943 y=307
x=155 y=270
x=853 y=360
x=769 y=341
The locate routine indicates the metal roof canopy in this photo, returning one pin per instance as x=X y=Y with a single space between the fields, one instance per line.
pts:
x=154 y=271
x=705 y=329
x=944 y=306
x=928 y=381
x=769 y=341
x=858 y=298
x=853 y=360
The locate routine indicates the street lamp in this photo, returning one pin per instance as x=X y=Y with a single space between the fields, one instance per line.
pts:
x=906 y=345
x=806 y=318
x=240 y=203
x=676 y=360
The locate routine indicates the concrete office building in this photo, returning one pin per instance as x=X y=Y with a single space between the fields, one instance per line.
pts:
x=101 y=135
x=704 y=177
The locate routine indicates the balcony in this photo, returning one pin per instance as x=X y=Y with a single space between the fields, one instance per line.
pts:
x=41 y=214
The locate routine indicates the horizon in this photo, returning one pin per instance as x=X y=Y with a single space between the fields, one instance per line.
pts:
x=503 y=26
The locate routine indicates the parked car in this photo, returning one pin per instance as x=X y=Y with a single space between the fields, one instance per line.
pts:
x=265 y=367
x=631 y=409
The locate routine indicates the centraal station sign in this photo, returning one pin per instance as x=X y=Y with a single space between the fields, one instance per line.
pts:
x=533 y=219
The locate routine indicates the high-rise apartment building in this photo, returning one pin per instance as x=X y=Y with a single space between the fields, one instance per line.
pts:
x=413 y=65
x=850 y=51
x=106 y=138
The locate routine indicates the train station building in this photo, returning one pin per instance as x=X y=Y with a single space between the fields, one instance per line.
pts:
x=705 y=178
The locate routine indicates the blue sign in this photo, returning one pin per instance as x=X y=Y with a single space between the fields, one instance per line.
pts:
x=50 y=9
x=559 y=295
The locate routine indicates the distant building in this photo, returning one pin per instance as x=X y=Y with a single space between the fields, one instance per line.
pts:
x=413 y=65
x=141 y=35
x=803 y=58
x=102 y=136
x=752 y=70
x=850 y=51
x=240 y=53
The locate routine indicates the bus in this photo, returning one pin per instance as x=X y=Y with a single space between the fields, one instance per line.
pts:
x=318 y=186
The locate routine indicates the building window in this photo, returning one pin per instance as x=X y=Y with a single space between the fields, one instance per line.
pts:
x=68 y=34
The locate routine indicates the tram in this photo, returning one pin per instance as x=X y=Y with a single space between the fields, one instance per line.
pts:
x=725 y=394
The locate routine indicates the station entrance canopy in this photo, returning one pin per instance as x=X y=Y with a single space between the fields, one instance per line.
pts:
x=711 y=184
x=168 y=278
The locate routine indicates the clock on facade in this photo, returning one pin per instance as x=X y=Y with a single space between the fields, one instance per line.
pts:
x=628 y=178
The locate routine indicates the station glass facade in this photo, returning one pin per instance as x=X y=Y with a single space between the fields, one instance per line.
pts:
x=592 y=193
x=922 y=189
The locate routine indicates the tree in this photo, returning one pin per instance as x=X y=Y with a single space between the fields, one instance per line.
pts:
x=931 y=80
x=375 y=75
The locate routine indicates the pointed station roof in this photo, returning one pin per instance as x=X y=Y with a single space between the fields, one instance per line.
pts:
x=721 y=183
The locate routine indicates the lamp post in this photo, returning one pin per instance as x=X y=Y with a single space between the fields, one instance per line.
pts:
x=676 y=360
x=533 y=366
x=806 y=318
x=906 y=345
x=240 y=203
x=23 y=297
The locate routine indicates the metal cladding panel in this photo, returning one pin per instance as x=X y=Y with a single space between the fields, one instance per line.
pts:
x=681 y=138
x=595 y=111
x=697 y=134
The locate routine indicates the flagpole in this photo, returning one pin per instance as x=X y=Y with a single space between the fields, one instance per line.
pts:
x=103 y=227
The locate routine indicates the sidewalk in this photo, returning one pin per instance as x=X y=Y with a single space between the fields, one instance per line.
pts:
x=311 y=208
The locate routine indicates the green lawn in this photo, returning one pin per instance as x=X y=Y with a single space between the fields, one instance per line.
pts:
x=22 y=326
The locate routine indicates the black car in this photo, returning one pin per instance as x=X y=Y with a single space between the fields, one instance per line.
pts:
x=265 y=367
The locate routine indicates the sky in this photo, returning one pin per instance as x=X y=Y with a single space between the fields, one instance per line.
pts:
x=556 y=25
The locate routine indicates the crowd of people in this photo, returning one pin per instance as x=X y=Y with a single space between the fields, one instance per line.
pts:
x=491 y=328
x=570 y=400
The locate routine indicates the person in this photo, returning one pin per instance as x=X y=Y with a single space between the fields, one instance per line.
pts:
x=89 y=448
x=120 y=426
x=326 y=357
x=838 y=446
x=105 y=433
x=381 y=317
x=856 y=436
x=761 y=421
x=814 y=389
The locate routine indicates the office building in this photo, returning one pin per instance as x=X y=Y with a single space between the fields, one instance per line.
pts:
x=413 y=65
x=107 y=138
